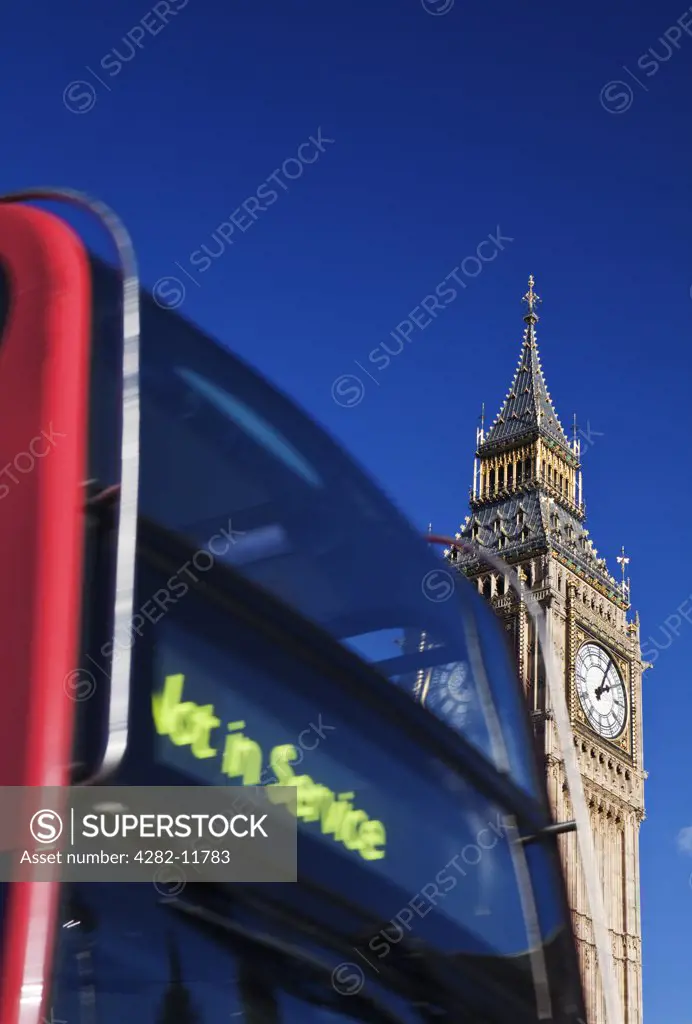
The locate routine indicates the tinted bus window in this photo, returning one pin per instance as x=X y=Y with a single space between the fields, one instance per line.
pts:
x=235 y=467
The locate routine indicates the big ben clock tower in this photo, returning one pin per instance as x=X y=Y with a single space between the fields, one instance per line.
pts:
x=526 y=506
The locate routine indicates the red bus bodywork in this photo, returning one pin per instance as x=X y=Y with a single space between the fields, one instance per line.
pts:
x=44 y=368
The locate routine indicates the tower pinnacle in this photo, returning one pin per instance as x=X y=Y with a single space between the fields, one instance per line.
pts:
x=623 y=562
x=532 y=300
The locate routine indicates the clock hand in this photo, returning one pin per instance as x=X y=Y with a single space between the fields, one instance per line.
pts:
x=600 y=690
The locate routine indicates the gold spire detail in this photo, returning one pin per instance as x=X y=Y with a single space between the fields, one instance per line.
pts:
x=532 y=300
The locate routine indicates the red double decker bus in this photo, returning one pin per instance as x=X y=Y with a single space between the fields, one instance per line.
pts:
x=175 y=531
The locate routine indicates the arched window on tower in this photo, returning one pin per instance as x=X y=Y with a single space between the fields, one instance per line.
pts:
x=487 y=587
x=492 y=480
x=501 y=477
x=528 y=570
x=527 y=467
x=510 y=475
x=520 y=474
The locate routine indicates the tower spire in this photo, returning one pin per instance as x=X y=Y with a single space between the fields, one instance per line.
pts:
x=527 y=405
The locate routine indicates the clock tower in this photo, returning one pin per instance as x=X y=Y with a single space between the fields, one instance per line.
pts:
x=526 y=506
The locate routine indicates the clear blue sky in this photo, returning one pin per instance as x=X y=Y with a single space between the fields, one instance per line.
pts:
x=446 y=127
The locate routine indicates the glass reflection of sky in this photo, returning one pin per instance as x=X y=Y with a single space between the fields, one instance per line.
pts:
x=380 y=645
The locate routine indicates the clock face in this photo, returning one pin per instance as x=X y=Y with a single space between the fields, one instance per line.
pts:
x=601 y=691
x=449 y=693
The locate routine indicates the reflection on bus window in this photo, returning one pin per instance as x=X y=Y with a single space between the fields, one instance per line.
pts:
x=125 y=956
x=266 y=434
